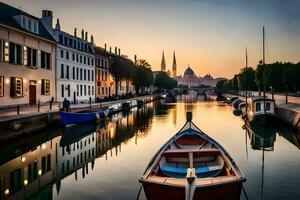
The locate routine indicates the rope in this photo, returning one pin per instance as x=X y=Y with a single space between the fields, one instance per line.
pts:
x=245 y=193
x=139 y=193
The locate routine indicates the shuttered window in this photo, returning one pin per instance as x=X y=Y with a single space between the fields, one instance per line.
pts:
x=16 y=87
x=45 y=87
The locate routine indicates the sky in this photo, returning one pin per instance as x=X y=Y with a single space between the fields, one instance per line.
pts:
x=208 y=35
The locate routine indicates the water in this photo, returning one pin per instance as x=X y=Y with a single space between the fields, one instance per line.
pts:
x=107 y=164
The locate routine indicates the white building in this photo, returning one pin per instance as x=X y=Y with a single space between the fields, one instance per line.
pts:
x=75 y=66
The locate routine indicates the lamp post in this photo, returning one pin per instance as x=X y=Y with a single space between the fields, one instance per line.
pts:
x=272 y=90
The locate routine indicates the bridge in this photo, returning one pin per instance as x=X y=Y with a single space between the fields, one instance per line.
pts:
x=201 y=90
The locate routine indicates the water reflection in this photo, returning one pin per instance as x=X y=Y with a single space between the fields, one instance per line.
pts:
x=30 y=168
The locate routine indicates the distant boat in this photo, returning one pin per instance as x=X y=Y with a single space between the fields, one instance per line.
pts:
x=260 y=109
x=68 y=118
x=191 y=165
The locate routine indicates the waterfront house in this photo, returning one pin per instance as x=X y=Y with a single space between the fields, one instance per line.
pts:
x=75 y=66
x=104 y=81
x=27 y=59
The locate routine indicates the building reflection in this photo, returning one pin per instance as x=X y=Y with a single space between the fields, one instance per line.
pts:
x=30 y=169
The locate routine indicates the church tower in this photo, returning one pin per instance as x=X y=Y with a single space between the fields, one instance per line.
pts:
x=174 y=66
x=163 y=62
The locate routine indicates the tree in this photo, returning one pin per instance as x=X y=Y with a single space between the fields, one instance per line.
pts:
x=220 y=84
x=143 y=76
x=163 y=81
x=246 y=79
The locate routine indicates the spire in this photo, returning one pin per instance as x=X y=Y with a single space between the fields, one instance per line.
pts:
x=163 y=62
x=174 y=66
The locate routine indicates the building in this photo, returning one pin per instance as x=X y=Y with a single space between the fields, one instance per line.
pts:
x=104 y=81
x=75 y=66
x=174 y=66
x=163 y=62
x=190 y=79
x=27 y=59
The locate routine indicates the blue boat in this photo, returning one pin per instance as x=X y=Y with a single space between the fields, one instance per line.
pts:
x=68 y=118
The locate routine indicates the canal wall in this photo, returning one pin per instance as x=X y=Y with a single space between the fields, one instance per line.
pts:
x=17 y=126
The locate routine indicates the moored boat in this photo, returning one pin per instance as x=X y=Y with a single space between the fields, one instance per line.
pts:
x=68 y=118
x=191 y=165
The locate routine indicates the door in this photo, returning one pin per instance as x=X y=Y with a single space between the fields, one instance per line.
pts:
x=32 y=94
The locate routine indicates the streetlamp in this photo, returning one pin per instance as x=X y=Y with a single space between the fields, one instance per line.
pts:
x=272 y=90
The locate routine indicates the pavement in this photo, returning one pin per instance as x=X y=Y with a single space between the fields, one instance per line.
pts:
x=32 y=110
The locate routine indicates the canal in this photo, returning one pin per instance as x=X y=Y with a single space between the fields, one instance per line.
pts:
x=105 y=161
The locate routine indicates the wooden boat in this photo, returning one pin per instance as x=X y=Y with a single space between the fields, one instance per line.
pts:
x=191 y=165
x=68 y=118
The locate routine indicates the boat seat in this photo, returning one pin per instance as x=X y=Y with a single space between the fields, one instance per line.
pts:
x=180 y=172
x=196 y=152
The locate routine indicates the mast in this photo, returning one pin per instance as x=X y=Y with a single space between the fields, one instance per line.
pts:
x=264 y=82
x=246 y=81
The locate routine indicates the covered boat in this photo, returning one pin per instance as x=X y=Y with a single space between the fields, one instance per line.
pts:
x=68 y=118
x=191 y=165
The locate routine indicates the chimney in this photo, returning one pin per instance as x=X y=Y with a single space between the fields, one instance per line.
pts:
x=105 y=46
x=116 y=50
x=82 y=34
x=119 y=51
x=47 y=19
x=86 y=36
x=135 y=58
x=109 y=49
x=92 y=39
x=75 y=32
x=57 y=26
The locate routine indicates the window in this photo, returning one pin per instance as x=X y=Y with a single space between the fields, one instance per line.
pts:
x=45 y=87
x=88 y=75
x=80 y=74
x=84 y=90
x=62 y=53
x=67 y=76
x=84 y=60
x=89 y=90
x=73 y=56
x=1 y=86
x=29 y=24
x=4 y=51
x=88 y=61
x=61 y=39
x=16 y=87
x=268 y=106
x=67 y=55
x=62 y=74
x=92 y=61
x=76 y=57
x=77 y=73
x=92 y=90
x=257 y=106
x=24 y=22
x=71 y=42
x=14 y=53
x=31 y=57
x=35 y=27
x=80 y=59
x=69 y=90
x=66 y=41
x=80 y=90
x=102 y=90
x=62 y=90
x=77 y=90
x=92 y=75
x=84 y=75
x=45 y=60
x=73 y=73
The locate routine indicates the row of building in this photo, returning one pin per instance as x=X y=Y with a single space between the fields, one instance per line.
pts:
x=41 y=62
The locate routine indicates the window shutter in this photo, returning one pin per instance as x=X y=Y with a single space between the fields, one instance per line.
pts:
x=12 y=86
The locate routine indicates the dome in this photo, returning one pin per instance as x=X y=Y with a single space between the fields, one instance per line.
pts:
x=189 y=72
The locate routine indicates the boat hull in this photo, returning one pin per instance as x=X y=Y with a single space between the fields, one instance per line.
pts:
x=68 y=118
x=154 y=191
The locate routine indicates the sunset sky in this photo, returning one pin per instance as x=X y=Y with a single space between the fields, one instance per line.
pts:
x=209 y=35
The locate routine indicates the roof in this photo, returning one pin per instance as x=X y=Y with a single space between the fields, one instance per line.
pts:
x=189 y=72
x=101 y=51
x=7 y=14
x=259 y=98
